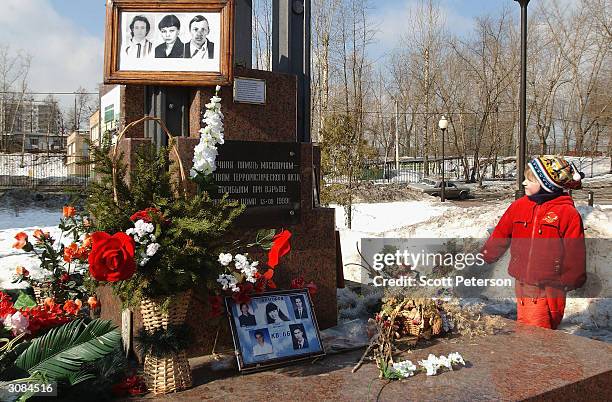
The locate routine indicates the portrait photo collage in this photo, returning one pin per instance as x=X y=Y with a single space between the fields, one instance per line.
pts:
x=273 y=327
x=166 y=41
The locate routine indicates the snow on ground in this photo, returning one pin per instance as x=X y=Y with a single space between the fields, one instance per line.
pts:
x=36 y=165
x=432 y=219
x=10 y=224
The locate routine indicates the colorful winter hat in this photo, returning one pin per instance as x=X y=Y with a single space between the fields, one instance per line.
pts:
x=555 y=174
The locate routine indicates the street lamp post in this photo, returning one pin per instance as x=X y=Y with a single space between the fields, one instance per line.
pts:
x=443 y=124
x=520 y=166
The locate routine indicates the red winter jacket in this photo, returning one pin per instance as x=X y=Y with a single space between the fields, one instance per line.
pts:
x=546 y=243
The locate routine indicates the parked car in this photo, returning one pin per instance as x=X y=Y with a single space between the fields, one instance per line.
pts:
x=434 y=187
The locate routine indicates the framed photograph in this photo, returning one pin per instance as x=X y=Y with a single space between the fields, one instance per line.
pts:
x=274 y=328
x=169 y=42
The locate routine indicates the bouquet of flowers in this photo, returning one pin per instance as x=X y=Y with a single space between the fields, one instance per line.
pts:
x=63 y=261
x=241 y=276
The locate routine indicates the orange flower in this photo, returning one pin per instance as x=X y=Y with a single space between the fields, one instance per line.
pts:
x=71 y=252
x=68 y=211
x=79 y=303
x=71 y=307
x=82 y=253
x=87 y=242
x=40 y=235
x=93 y=302
x=22 y=240
x=22 y=271
x=49 y=302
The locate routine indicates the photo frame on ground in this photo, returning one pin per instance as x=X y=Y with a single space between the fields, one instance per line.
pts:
x=274 y=328
x=155 y=42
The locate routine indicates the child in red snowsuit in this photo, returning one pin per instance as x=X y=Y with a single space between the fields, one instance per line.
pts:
x=546 y=238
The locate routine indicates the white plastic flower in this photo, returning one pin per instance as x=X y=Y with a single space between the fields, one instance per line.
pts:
x=431 y=364
x=405 y=368
x=241 y=262
x=249 y=271
x=445 y=362
x=143 y=228
x=225 y=259
x=152 y=249
x=228 y=282
x=456 y=358
x=205 y=153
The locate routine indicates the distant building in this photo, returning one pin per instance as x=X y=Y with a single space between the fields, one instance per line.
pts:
x=110 y=108
x=77 y=153
x=30 y=126
x=95 y=132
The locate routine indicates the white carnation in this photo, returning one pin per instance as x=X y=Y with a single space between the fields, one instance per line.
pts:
x=225 y=259
x=228 y=282
x=152 y=249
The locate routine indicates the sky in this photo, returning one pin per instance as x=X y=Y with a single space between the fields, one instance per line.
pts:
x=66 y=37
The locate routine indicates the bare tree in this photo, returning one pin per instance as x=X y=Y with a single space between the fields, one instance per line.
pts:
x=14 y=70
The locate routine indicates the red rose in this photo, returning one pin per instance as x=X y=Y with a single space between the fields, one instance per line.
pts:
x=112 y=257
x=280 y=247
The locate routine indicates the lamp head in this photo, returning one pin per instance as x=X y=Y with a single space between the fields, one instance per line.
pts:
x=443 y=123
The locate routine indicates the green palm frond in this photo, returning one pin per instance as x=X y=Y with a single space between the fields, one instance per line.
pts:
x=60 y=353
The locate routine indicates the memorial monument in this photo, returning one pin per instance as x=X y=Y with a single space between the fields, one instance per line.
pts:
x=267 y=163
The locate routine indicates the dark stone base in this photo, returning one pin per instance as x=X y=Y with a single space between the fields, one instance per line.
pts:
x=525 y=363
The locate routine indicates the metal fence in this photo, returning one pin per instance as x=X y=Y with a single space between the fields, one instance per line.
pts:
x=408 y=172
x=43 y=171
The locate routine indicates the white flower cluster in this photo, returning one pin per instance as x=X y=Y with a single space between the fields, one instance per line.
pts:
x=205 y=153
x=405 y=368
x=242 y=264
x=142 y=233
x=228 y=282
x=432 y=364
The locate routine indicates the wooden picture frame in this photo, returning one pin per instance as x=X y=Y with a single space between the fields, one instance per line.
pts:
x=139 y=47
x=261 y=343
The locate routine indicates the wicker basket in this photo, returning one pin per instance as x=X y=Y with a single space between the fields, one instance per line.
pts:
x=412 y=328
x=153 y=318
x=40 y=293
x=169 y=373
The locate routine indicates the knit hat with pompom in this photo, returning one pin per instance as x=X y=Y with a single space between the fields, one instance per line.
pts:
x=555 y=174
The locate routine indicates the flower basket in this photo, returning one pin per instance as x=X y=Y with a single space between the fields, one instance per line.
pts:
x=412 y=328
x=154 y=318
x=38 y=294
x=168 y=373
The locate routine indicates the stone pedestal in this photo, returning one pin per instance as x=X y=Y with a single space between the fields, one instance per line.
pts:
x=524 y=363
x=313 y=247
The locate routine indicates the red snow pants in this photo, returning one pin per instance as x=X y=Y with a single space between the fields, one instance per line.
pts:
x=539 y=306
